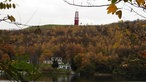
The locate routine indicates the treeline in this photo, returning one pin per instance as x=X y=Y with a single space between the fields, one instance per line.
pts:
x=118 y=48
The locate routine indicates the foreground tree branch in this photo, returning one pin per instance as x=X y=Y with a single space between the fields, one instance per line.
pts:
x=113 y=8
x=80 y=5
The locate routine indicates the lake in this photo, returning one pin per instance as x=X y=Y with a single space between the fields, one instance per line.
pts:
x=76 y=78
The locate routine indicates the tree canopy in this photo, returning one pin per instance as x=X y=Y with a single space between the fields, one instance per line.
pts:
x=115 y=48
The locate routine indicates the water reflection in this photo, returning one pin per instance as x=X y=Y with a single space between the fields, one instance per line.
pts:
x=76 y=78
x=57 y=78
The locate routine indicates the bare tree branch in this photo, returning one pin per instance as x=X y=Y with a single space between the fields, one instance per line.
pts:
x=132 y=3
x=135 y=5
x=19 y=24
x=132 y=10
x=80 y=5
x=136 y=12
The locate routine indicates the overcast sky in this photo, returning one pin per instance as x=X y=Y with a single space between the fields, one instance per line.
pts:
x=41 y=12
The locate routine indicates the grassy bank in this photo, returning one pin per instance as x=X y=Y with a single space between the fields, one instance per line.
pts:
x=48 y=69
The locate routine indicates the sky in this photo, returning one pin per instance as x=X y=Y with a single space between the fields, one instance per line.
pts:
x=42 y=12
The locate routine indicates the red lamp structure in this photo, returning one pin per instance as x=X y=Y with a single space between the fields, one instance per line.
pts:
x=76 y=19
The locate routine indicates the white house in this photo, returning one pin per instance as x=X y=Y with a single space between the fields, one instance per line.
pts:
x=64 y=66
x=50 y=60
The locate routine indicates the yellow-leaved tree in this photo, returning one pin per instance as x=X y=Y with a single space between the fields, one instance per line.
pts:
x=7 y=4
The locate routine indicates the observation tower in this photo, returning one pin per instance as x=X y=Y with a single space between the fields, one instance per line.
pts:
x=76 y=19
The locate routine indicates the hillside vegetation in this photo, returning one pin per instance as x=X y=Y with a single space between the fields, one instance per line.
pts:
x=118 y=48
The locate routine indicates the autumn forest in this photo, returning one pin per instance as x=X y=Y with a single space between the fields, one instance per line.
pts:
x=117 y=48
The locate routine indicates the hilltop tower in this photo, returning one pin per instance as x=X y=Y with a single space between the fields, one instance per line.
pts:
x=76 y=19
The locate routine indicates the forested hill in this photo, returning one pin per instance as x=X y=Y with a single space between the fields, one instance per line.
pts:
x=86 y=46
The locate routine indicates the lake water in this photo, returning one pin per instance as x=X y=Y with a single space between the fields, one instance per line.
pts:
x=75 y=78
